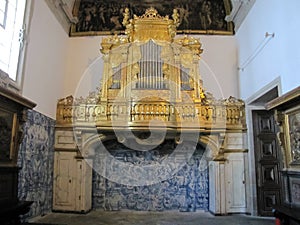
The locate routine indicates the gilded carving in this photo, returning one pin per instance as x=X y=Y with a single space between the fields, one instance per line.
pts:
x=157 y=81
x=293 y=135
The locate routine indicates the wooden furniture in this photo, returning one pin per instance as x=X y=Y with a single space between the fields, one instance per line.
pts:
x=287 y=113
x=12 y=108
x=287 y=215
x=72 y=186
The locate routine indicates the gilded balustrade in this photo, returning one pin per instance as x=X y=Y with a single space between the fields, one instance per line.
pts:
x=228 y=113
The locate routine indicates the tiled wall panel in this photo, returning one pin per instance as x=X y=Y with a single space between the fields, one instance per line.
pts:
x=36 y=161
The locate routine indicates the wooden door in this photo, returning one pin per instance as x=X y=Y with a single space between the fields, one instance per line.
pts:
x=64 y=181
x=235 y=183
x=267 y=161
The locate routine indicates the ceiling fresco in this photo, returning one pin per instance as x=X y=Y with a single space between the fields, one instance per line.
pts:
x=103 y=17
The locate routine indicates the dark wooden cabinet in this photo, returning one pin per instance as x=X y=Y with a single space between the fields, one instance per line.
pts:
x=287 y=215
x=287 y=114
x=8 y=184
x=12 y=107
x=10 y=207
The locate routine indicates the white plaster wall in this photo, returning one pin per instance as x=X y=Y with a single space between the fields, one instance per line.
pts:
x=280 y=57
x=45 y=59
x=218 y=66
x=274 y=63
x=84 y=66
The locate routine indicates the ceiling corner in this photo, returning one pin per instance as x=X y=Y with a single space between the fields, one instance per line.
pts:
x=62 y=10
x=240 y=9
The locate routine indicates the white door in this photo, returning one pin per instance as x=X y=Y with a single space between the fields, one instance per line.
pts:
x=235 y=183
x=64 y=181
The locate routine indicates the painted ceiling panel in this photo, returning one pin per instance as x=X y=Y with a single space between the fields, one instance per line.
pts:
x=102 y=17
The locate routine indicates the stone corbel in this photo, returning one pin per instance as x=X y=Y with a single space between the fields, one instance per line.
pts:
x=215 y=144
x=88 y=141
x=78 y=138
x=221 y=142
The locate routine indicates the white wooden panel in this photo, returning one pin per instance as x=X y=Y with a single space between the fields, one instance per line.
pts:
x=65 y=140
x=64 y=182
x=235 y=183
x=72 y=187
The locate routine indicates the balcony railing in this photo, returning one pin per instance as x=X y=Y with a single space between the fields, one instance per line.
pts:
x=228 y=113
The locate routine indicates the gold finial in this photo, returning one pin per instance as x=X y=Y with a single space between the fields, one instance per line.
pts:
x=151 y=13
x=175 y=17
x=126 y=15
x=150 y=25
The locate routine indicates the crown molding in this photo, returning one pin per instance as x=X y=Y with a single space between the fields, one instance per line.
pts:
x=240 y=9
x=63 y=11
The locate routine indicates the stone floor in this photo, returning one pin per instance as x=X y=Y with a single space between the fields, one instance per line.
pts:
x=151 y=218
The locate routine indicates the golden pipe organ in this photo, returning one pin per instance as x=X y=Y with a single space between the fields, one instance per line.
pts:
x=150 y=82
x=149 y=74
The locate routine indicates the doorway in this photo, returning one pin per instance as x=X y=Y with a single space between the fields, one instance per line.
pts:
x=264 y=189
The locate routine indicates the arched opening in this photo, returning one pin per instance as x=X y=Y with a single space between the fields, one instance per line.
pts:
x=184 y=190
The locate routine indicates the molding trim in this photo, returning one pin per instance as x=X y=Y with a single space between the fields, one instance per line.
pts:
x=240 y=9
x=284 y=99
x=63 y=11
x=275 y=83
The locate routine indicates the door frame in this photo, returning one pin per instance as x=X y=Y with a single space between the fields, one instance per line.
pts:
x=250 y=105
